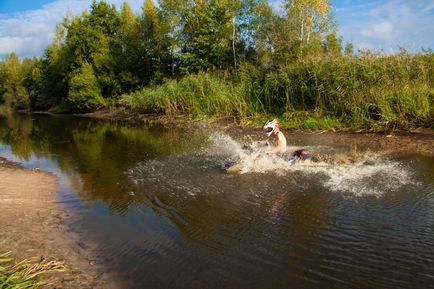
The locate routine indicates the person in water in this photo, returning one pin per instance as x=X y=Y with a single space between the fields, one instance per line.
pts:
x=275 y=137
x=277 y=146
x=278 y=142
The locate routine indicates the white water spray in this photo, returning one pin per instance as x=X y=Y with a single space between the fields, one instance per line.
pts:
x=358 y=174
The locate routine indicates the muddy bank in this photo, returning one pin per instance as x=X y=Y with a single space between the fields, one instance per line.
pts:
x=388 y=143
x=32 y=225
x=419 y=141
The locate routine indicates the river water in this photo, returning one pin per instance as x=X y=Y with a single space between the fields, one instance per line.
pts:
x=154 y=208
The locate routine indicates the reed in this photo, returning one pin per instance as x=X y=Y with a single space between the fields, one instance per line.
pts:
x=369 y=91
x=26 y=273
x=199 y=95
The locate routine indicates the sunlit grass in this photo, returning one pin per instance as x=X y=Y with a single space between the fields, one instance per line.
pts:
x=200 y=95
x=26 y=273
x=368 y=91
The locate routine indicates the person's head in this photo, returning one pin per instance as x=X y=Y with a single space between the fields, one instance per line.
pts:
x=271 y=127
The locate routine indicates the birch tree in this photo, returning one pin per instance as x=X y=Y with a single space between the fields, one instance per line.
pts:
x=310 y=18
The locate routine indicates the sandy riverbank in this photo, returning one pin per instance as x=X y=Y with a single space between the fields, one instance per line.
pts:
x=32 y=225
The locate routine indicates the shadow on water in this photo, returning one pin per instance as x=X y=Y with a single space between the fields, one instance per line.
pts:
x=155 y=209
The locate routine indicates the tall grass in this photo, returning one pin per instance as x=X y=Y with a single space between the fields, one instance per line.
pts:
x=200 y=95
x=387 y=91
x=27 y=273
x=370 y=91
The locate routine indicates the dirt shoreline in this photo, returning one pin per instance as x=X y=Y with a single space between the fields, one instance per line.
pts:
x=33 y=225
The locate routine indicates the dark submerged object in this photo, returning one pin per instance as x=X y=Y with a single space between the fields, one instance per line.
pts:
x=227 y=165
x=300 y=154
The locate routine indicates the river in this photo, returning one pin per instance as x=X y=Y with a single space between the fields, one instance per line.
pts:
x=154 y=208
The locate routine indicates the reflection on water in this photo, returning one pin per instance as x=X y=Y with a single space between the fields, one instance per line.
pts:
x=160 y=213
x=92 y=154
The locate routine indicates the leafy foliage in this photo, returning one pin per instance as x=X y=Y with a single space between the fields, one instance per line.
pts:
x=15 y=95
x=84 y=91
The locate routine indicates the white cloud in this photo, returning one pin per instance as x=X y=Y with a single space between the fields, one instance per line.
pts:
x=382 y=31
x=28 y=33
x=389 y=24
x=22 y=46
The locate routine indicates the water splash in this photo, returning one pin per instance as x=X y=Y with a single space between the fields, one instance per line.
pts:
x=250 y=157
x=198 y=172
x=223 y=145
x=352 y=172
x=372 y=175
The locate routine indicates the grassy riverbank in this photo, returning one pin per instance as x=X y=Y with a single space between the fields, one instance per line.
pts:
x=379 y=92
x=374 y=92
x=248 y=62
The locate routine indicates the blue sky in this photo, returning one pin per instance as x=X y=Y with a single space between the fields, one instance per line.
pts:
x=27 y=27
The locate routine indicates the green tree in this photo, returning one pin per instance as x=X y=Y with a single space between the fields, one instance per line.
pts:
x=156 y=48
x=3 y=78
x=332 y=44
x=126 y=49
x=84 y=91
x=243 y=29
x=311 y=20
x=208 y=31
x=15 y=95
x=32 y=79
x=274 y=36
x=259 y=32
x=103 y=17
x=104 y=23
x=203 y=30
x=90 y=38
x=53 y=69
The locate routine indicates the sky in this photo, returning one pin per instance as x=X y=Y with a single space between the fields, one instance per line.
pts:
x=27 y=27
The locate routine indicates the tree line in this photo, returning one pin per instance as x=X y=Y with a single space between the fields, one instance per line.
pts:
x=103 y=53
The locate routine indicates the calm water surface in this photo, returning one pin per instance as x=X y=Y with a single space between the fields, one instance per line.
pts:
x=156 y=211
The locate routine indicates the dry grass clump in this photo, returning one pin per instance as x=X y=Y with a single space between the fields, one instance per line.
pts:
x=26 y=273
